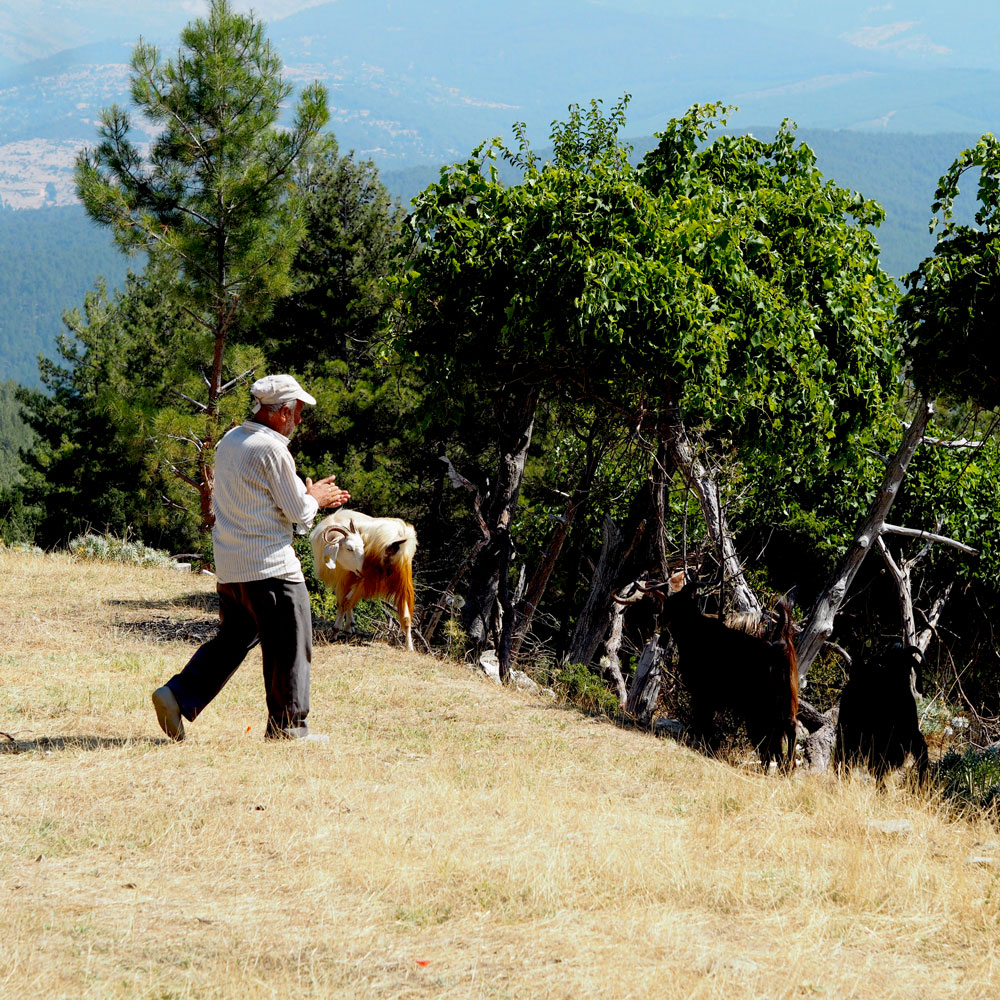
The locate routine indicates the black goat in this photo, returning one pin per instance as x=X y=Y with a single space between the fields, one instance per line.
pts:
x=877 y=725
x=726 y=668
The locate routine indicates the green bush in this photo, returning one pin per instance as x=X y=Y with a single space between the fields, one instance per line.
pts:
x=580 y=686
x=971 y=777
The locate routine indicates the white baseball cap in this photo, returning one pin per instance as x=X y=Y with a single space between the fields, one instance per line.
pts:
x=273 y=389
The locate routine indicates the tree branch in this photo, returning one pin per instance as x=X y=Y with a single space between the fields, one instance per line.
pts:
x=894 y=529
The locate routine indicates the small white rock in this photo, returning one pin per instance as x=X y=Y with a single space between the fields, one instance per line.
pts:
x=891 y=827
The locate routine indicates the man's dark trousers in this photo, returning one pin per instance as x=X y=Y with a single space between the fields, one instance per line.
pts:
x=274 y=613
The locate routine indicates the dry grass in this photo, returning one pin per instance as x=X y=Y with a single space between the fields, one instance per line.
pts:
x=451 y=840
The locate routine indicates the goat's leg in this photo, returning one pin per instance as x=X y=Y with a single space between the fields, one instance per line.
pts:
x=763 y=740
x=702 y=723
x=405 y=622
x=350 y=603
x=918 y=747
x=791 y=735
x=338 y=624
x=345 y=612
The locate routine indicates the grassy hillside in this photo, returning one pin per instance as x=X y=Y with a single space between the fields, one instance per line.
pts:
x=452 y=840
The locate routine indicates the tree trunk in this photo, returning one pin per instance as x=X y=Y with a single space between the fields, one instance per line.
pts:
x=624 y=556
x=817 y=748
x=599 y=609
x=515 y=417
x=645 y=691
x=924 y=636
x=743 y=599
x=513 y=637
x=820 y=625
x=611 y=668
x=900 y=573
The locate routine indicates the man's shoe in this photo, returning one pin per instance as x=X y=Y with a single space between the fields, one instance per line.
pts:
x=168 y=713
x=298 y=734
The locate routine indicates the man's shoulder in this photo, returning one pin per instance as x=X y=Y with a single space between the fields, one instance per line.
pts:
x=252 y=435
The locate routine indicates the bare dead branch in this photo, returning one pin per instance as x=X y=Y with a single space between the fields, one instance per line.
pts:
x=193 y=402
x=960 y=443
x=895 y=529
x=232 y=383
x=456 y=478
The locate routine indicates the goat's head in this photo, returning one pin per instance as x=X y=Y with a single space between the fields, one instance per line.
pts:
x=673 y=591
x=343 y=548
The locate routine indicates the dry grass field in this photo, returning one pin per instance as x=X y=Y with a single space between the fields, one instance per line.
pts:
x=452 y=840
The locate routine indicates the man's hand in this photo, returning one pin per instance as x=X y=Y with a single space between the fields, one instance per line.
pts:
x=326 y=492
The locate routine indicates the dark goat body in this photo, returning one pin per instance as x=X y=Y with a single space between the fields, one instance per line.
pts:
x=878 y=725
x=726 y=668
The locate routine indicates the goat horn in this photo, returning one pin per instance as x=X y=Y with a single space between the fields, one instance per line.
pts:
x=334 y=529
x=628 y=597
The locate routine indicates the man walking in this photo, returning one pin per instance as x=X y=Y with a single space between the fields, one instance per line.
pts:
x=258 y=502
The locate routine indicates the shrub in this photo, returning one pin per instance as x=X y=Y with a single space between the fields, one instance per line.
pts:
x=107 y=548
x=580 y=686
x=972 y=777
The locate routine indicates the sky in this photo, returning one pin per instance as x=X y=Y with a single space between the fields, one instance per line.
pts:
x=962 y=33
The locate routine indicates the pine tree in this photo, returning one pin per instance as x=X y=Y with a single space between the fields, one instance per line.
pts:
x=215 y=197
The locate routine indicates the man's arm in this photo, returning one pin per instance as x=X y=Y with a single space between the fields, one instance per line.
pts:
x=299 y=501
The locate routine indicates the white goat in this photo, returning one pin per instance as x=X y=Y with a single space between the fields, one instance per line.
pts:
x=385 y=569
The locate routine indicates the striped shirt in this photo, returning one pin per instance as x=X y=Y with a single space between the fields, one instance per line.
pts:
x=259 y=500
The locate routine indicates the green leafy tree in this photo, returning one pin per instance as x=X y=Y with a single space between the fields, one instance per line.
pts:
x=356 y=241
x=949 y=311
x=722 y=285
x=946 y=320
x=215 y=198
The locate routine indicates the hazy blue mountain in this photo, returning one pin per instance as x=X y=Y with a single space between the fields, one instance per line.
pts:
x=425 y=81
x=474 y=72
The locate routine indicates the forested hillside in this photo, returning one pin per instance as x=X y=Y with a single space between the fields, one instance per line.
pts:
x=14 y=433
x=51 y=258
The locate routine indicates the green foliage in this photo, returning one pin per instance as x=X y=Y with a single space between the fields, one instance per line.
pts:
x=98 y=462
x=971 y=777
x=726 y=278
x=950 y=309
x=580 y=686
x=15 y=436
x=355 y=242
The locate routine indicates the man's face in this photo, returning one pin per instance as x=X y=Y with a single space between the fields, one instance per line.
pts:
x=292 y=416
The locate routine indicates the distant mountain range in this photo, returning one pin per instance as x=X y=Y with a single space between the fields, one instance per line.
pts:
x=887 y=97
x=423 y=82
